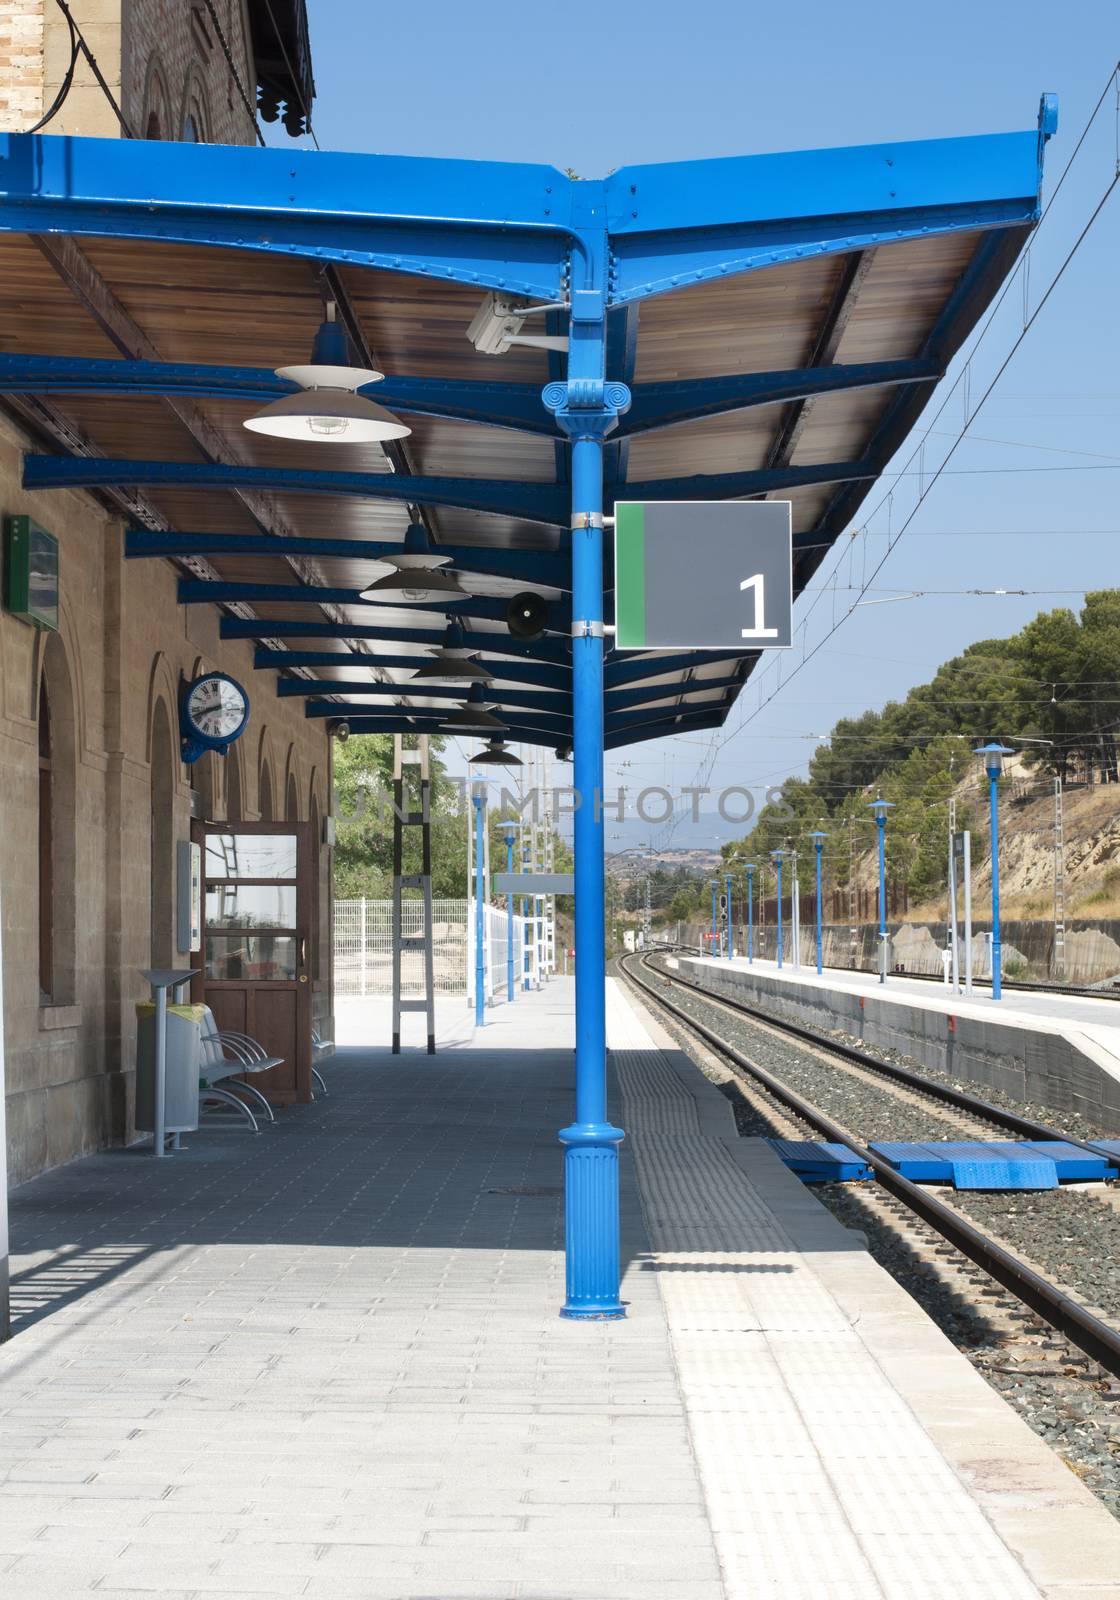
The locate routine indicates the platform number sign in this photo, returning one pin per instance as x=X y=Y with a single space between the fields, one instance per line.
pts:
x=703 y=575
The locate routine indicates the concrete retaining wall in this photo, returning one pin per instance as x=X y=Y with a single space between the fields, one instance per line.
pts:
x=1045 y=1068
x=1092 y=949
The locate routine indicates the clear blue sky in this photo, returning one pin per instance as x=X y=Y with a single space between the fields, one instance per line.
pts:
x=647 y=82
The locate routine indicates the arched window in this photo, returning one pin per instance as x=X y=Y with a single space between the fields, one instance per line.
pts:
x=194 y=124
x=157 y=124
x=233 y=787
x=57 y=854
x=265 y=793
x=46 y=849
x=291 y=808
x=164 y=762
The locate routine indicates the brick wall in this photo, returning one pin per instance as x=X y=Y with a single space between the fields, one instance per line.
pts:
x=163 y=59
x=21 y=63
x=175 y=66
x=112 y=673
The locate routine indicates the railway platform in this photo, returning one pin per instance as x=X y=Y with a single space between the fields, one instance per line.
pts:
x=327 y=1361
x=1042 y=1046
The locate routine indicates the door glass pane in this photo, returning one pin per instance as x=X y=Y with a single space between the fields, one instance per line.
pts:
x=251 y=958
x=252 y=906
x=250 y=855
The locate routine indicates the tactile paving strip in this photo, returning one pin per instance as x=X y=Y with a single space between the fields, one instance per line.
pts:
x=818 y=1477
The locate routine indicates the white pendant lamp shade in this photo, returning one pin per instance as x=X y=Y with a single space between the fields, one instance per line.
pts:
x=446 y=668
x=328 y=409
x=416 y=553
x=496 y=755
x=323 y=414
x=453 y=659
x=415 y=587
x=474 y=716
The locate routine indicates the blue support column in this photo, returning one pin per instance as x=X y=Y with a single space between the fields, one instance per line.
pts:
x=818 y=839
x=510 y=829
x=730 y=922
x=750 y=914
x=479 y=912
x=586 y=408
x=776 y=857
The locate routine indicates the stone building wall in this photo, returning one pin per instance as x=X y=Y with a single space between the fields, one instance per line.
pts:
x=112 y=672
x=164 y=61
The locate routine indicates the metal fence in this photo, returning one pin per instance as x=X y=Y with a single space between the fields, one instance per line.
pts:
x=363 y=949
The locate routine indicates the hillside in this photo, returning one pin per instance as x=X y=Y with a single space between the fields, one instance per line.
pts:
x=1051 y=691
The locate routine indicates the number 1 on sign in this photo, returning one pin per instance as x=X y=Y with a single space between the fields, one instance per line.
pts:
x=759 y=631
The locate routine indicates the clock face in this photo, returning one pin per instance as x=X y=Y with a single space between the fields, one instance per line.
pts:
x=217 y=707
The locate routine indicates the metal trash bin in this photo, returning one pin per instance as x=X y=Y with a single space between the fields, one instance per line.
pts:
x=181 y=1070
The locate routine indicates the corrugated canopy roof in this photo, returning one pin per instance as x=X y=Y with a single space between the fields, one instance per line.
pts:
x=779 y=322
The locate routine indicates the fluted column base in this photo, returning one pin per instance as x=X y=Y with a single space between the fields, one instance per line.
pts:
x=591 y=1220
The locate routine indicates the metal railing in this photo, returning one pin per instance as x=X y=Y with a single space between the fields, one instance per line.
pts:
x=363 y=950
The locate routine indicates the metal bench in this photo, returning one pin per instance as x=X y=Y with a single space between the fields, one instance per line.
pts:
x=227 y=1056
x=320 y=1049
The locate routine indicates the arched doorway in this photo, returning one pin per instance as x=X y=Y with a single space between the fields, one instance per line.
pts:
x=164 y=761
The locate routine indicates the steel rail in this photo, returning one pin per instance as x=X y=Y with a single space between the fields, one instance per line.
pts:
x=1089 y=1333
x=1027 y=1127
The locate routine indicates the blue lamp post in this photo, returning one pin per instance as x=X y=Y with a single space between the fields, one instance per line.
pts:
x=715 y=912
x=751 y=911
x=777 y=857
x=818 y=839
x=730 y=922
x=880 y=807
x=993 y=764
x=510 y=829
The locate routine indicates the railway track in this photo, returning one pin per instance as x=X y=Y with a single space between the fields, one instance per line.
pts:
x=1089 y=1333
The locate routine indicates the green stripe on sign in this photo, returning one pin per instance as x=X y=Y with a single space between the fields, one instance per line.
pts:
x=630 y=577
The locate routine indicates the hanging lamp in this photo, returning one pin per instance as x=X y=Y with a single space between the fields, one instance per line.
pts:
x=328 y=409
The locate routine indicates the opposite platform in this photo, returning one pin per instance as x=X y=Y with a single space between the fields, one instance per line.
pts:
x=1061 y=1051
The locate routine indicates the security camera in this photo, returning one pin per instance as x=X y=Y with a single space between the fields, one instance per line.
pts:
x=341 y=731
x=497 y=325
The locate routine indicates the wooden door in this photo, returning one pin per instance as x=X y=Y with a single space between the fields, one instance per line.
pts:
x=256 y=928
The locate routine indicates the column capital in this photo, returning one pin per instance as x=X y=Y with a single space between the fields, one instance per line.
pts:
x=586 y=408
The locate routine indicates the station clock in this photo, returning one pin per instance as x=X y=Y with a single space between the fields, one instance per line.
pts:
x=213 y=713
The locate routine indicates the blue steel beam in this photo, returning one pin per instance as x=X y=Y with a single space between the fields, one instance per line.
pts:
x=536 y=674
x=546 y=700
x=550 y=650
x=664 y=405
x=533 y=502
x=737 y=485
x=526 y=566
x=680 y=223
x=504 y=405
x=492 y=224
x=514 y=227
x=500 y=405
x=209 y=591
x=686 y=724
x=626 y=669
x=541 y=700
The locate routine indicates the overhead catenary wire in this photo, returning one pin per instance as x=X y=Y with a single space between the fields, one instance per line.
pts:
x=79 y=45
x=250 y=109
x=885 y=502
